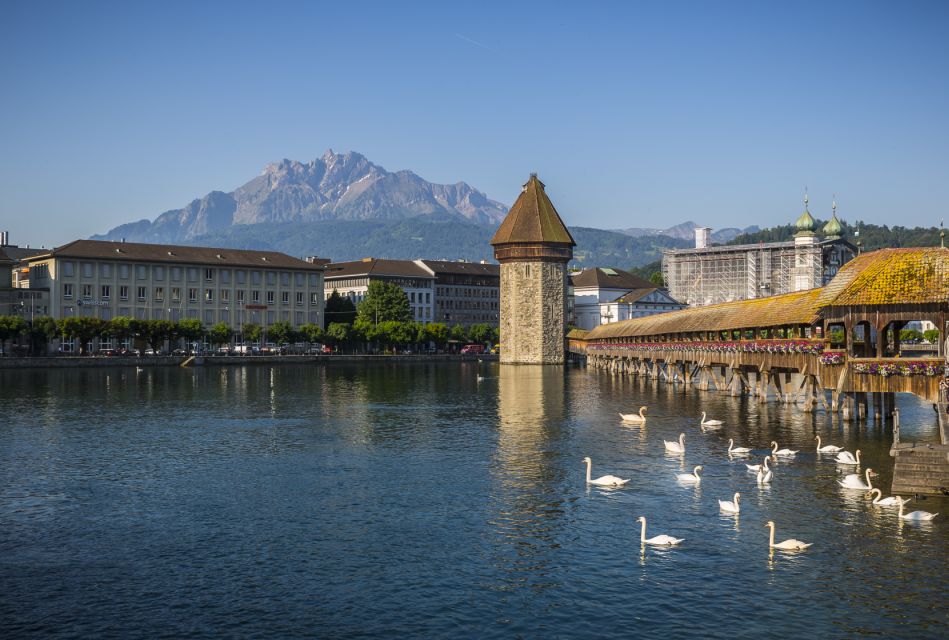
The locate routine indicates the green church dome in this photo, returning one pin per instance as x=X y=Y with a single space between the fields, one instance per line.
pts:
x=805 y=224
x=833 y=228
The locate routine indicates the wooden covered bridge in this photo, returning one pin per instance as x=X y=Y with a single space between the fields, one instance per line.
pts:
x=836 y=348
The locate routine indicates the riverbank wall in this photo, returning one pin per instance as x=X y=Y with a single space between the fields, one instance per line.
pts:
x=67 y=362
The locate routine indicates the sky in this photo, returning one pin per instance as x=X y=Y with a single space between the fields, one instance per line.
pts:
x=634 y=114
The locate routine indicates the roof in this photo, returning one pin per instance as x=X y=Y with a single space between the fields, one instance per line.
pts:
x=533 y=219
x=21 y=253
x=466 y=268
x=637 y=294
x=792 y=308
x=728 y=248
x=4 y=258
x=379 y=267
x=103 y=250
x=605 y=278
x=833 y=228
x=891 y=276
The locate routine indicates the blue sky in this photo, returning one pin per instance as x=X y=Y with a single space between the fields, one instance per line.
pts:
x=633 y=113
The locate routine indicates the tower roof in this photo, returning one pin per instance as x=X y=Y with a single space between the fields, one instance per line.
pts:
x=533 y=219
x=805 y=225
x=833 y=228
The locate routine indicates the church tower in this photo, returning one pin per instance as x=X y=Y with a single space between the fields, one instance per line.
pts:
x=533 y=246
x=807 y=252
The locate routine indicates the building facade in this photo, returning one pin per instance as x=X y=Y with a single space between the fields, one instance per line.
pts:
x=351 y=280
x=533 y=246
x=466 y=293
x=601 y=296
x=710 y=275
x=96 y=279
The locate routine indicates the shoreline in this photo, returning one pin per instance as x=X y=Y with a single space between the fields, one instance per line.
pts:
x=70 y=362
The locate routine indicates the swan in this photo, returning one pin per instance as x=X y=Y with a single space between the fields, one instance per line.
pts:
x=663 y=540
x=892 y=501
x=690 y=478
x=710 y=423
x=732 y=450
x=730 y=507
x=845 y=457
x=827 y=448
x=603 y=481
x=780 y=452
x=915 y=515
x=757 y=467
x=787 y=545
x=632 y=417
x=765 y=474
x=854 y=481
x=676 y=447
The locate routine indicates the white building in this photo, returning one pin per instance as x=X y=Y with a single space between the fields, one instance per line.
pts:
x=601 y=296
x=351 y=280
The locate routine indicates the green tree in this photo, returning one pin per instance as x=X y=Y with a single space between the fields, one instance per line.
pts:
x=252 y=332
x=437 y=333
x=338 y=333
x=42 y=330
x=312 y=333
x=496 y=335
x=931 y=335
x=384 y=301
x=657 y=279
x=121 y=327
x=82 y=329
x=155 y=332
x=338 y=309
x=480 y=333
x=190 y=329
x=280 y=332
x=220 y=333
x=11 y=327
x=458 y=333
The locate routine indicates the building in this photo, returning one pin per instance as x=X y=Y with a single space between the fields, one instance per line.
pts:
x=91 y=278
x=533 y=246
x=466 y=293
x=710 y=275
x=601 y=296
x=351 y=279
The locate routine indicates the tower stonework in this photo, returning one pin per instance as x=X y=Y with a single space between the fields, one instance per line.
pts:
x=533 y=246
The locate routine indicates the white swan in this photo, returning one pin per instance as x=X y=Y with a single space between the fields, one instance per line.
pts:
x=603 y=481
x=710 y=423
x=787 y=545
x=663 y=540
x=690 y=478
x=765 y=474
x=892 y=501
x=780 y=452
x=632 y=417
x=855 y=481
x=845 y=457
x=827 y=448
x=916 y=515
x=676 y=447
x=738 y=451
x=730 y=507
x=757 y=467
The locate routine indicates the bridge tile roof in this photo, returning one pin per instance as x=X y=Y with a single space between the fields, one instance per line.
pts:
x=891 y=276
x=789 y=309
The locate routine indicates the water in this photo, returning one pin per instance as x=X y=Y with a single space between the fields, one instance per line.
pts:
x=418 y=501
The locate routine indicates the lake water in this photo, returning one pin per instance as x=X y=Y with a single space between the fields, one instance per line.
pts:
x=419 y=501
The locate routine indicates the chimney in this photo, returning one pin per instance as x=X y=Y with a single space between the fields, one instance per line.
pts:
x=4 y=238
x=701 y=237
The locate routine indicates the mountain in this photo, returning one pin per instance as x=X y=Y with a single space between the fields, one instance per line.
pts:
x=337 y=186
x=686 y=231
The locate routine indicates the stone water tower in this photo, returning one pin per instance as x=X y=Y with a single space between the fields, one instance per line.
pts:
x=533 y=247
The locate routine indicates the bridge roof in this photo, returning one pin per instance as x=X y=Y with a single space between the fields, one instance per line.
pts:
x=775 y=311
x=889 y=277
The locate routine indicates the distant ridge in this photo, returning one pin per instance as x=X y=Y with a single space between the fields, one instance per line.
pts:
x=686 y=231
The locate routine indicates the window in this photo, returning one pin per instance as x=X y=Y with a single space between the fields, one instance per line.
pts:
x=192 y=295
x=270 y=318
x=87 y=292
x=412 y=297
x=69 y=269
x=141 y=272
x=298 y=279
x=124 y=271
x=158 y=273
x=123 y=292
x=176 y=294
x=284 y=278
x=87 y=269
x=271 y=278
x=209 y=316
x=240 y=276
x=255 y=296
x=192 y=274
x=105 y=292
x=314 y=298
x=67 y=291
x=142 y=293
x=176 y=274
x=285 y=297
x=314 y=279
x=159 y=294
x=255 y=277
x=225 y=295
x=225 y=276
x=105 y=270
x=299 y=297
x=209 y=274
x=270 y=297
x=209 y=295
x=240 y=295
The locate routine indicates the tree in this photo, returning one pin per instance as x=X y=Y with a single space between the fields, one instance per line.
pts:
x=458 y=333
x=657 y=279
x=280 y=332
x=931 y=335
x=190 y=329
x=42 y=330
x=121 y=327
x=155 y=332
x=338 y=309
x=312 y=333
x=910 y=335
x=220 y=334
x=338 y=332
x=437 y=333
x=384 y=301
x=82 y=329
x=252 y=331
x=11 y=327
x=480 y=333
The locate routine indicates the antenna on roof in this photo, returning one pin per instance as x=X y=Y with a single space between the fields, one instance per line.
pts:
x=942 y=233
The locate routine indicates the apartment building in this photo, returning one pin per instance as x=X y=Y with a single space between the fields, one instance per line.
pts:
x=466 y=293
x=351 y=279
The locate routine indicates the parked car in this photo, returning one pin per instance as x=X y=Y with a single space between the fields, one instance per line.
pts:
x=107 y=352
x=472 y=348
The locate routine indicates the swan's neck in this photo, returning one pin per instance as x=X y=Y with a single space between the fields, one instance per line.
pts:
x=868 y=479
x=681 y=439
x=588 y=470
x=771 y=540
x=642 y=535
x=731 y=443
x=642 y=411
x=736 y=499
x=775 y=447
x=818 y=443
x=858 y=456
x=695 y=472
x=766 y=467
x=877 y=494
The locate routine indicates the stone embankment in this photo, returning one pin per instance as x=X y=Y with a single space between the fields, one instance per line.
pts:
x=67 y=362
